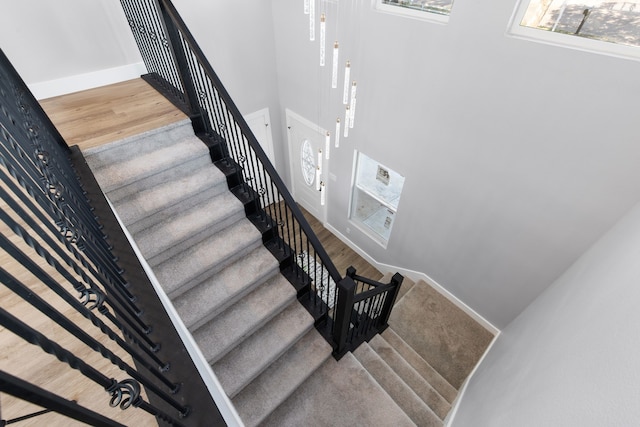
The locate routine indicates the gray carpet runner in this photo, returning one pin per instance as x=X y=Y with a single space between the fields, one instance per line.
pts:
x=242 y=312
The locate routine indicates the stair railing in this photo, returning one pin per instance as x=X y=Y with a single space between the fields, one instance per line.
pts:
x=60 y=268
x=179 y=70
x=364 y=307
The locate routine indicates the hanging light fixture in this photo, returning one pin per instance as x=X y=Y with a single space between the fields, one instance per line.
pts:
x=312 y=20
x=334 y=70
x=323 y=38
x=353 y=104
x=347 y=118
x=347 y=76
x=318 y=176
x=327 y=144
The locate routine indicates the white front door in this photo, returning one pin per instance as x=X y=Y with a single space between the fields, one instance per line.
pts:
x=260 y=124
x=306 y=140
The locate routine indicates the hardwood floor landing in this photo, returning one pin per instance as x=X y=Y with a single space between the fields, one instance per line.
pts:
x=98 y=116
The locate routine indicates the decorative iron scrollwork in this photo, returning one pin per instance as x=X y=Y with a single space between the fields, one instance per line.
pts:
x=242 y=159
x=165 y=42
x=125 y=394
x=202 y=95
x=92 y=298
x=262 y=191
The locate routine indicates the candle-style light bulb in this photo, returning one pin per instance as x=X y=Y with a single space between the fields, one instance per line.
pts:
x=306 y=7
x=347 y=117
x=347 y=76
x=318 y=174
x=338 y=132
x=334 y=71
x=353 y=105
x=323 y=194
x=320 y=160
x=323 y=38
x=327 y=144
x=312 y=20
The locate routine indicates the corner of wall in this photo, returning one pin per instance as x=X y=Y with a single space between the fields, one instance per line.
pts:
x=86 y=81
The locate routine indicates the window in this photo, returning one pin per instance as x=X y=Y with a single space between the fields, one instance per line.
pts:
x=611 y=27
x=428 y=10
x=375 y=197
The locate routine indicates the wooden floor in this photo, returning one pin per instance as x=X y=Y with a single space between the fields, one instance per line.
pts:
x=98 y=116
x=88 y=119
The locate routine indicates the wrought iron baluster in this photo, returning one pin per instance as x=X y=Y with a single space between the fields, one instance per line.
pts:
x=111 y=385
x=25 y=293
x=30 y=265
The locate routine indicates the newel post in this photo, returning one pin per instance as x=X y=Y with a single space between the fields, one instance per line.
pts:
x=390 y=301
x=344 y=307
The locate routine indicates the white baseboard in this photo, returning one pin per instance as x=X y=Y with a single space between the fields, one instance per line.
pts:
x=222 y=401
x=86 y=81
x=415 y=276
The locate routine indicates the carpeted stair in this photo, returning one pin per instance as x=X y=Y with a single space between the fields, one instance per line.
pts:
x=242 y=312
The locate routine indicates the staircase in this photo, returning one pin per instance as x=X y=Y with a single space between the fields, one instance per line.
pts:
x=243 y=314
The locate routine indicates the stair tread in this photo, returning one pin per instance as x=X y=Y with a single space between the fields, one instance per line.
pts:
x=204 y=301
x=143 y=142
x=130 y=169
x=410 y=376
x=178 y=172
x=273 y=386
x=190 y=267
x=195 y=223
x=339 y=393
x=253 y=355
x=140 y=205
x=238 y=321
x=441 y=385
x=399 y=391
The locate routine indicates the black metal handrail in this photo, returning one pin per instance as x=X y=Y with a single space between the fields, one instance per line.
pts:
x=179 y=69
x=54 y=245
x=364 y=307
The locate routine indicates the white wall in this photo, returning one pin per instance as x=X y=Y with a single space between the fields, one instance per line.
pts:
x=53 y=40
x=517 y=155
x=571 y=358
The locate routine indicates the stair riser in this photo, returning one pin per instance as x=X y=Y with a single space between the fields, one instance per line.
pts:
x=179 y=171
x=147 y=142
x=266 y=363
x=143 y=209
x=267 y=274
x=211 y=270
x=243 y=329
x=156 y=255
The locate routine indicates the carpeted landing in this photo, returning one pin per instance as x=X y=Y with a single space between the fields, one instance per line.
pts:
x=260 y=342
